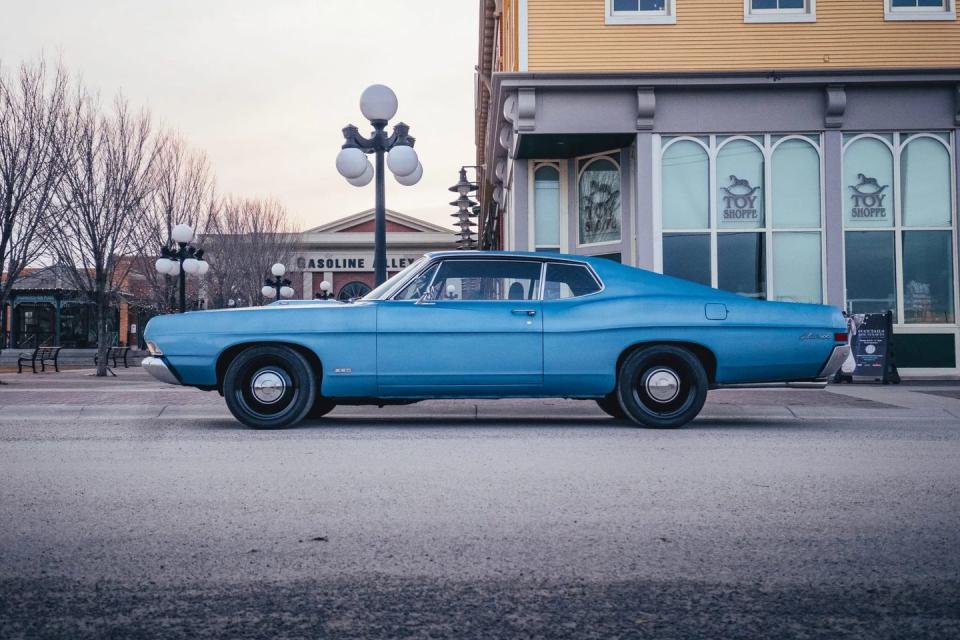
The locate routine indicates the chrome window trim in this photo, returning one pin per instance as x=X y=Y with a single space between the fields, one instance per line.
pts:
x=581 y=263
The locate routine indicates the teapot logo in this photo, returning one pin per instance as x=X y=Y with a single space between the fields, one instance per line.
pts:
x=740 y=200
x=868 y=196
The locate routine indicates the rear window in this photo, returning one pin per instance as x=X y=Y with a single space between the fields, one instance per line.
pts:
x=568 y=281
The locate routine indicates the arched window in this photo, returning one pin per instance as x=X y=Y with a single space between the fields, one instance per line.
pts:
x=795 y=197
x=353 y=290
x=686 y=186
x=925 y=183
x=740 y=185
x=546 y=207
x=868 y=182
x=599 y=200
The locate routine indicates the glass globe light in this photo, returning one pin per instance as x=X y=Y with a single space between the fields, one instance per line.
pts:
x=287 y=292
x=174 y=269
x=278 y=269
x=402 y=160
x=191 y=265
x=365 y=179
x=163 y=265
x=182 y=233
x=204 y=267
x=413 y=178
x=378 y=102
x=325 y=286
x=351 y=163
x=268 y=292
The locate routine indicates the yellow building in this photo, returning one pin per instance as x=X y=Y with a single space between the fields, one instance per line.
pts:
x=799 y=150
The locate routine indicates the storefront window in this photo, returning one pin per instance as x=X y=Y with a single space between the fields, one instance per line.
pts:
x=740 y=185
x=928 y=277
x=868 y=181
x=546 y=207
x=741 y=264
x=797 y=273
x=871 y=271
x=599 y=197
x=925 y=183
x=686 y=186
x=796 y=185
x=687 y=256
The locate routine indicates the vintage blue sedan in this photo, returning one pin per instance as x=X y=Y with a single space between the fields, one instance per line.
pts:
x=645 y=346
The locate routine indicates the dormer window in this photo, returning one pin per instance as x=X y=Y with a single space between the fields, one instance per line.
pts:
x=920 y=10
x=779 y=11
x=640 y=12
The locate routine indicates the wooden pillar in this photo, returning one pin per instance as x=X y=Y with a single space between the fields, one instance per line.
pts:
x=124 y=324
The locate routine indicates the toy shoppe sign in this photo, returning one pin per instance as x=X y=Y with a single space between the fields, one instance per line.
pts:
x=348 y=262
x=868 y=200
x=740 y=201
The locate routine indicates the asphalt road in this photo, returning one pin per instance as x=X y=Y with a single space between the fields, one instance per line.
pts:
x=466 y=520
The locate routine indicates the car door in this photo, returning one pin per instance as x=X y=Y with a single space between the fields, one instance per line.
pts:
x=469 y=327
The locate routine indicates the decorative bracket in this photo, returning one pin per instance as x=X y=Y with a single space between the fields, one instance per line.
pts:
x=526 y=109
x=646 y=108
x=836 y=106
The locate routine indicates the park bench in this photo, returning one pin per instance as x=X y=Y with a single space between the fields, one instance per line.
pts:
x=43 y=355
x=115 y=353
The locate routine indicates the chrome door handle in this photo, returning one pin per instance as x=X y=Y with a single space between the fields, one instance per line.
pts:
x=524 y=312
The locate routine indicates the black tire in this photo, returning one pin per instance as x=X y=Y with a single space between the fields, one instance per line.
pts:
x=260 y=373
x=611 y=406
x=321 y=407
x=662 y=387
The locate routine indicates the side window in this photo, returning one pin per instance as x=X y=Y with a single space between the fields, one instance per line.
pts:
x=487 y=280
x=568 y=281
x=418 y=286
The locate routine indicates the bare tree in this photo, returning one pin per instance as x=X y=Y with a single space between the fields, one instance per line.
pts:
x=184 y=194
x=32 y=109
x=243 y=239
x=109 y=162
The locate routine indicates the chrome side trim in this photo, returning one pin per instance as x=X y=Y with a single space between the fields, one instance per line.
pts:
x=835 y=361
x=159 y=370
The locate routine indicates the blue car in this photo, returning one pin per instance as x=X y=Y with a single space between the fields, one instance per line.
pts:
x=645 y=346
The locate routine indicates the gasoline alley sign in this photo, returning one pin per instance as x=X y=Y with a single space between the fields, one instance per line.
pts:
x=740 y=200
x=348 y=262
x=868 y=198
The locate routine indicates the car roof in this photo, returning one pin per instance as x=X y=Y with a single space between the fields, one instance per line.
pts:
x=512 y=254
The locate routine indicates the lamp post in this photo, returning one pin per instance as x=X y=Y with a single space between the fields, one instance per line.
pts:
x=466 y=209
x=324 y=291
x=277 y=286
x=378 y=104
x=182 y=260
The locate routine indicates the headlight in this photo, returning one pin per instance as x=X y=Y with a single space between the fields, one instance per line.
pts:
x=153 y=348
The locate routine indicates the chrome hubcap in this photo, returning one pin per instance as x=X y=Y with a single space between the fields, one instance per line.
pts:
x=662 y=385
x=267 y=386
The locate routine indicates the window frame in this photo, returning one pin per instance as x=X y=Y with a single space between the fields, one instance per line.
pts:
x=768 y=143
x=807 y=14
x=898 y=142
x=946 y=11
x=579 y=171
x=577 y=263
x=439 y=260
x=532 y=167
x=666 y=16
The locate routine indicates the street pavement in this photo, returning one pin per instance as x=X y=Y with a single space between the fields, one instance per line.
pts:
x=130 y=509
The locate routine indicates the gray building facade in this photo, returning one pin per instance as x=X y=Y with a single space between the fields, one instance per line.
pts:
x=836 y=187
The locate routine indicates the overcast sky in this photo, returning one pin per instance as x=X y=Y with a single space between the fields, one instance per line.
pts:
x=264 y=87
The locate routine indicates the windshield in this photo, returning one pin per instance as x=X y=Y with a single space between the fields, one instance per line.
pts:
x=379 y=292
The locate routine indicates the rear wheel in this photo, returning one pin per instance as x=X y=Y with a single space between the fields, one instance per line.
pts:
x=662 y=386
x=269 y=387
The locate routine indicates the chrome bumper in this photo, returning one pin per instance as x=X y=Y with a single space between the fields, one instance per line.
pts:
x=159 y=370
x=835 y=361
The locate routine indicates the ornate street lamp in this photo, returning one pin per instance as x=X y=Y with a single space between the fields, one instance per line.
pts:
x=325 y=290
x=378 y=104
x=466 y=209
x=277 y=286
x=183 y=260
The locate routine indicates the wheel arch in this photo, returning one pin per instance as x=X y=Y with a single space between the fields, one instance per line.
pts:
x=706 y=357
x=227 y=356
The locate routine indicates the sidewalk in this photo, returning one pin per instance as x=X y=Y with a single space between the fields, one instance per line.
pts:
x=79 y=395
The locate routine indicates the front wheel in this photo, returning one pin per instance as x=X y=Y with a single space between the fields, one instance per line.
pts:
x=269 y=387
x=662 y=387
